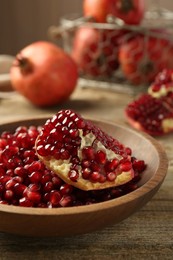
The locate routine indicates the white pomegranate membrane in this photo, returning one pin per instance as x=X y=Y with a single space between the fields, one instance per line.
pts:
x=26 y=181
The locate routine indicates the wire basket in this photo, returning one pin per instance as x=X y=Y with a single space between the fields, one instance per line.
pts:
x=128 y=65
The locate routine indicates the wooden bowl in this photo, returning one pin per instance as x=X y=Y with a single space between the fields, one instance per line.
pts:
x=84 y=219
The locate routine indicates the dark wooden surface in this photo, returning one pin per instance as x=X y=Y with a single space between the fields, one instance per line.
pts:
x=148 y=234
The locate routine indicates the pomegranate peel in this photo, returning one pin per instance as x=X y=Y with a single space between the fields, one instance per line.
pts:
x=83 y=155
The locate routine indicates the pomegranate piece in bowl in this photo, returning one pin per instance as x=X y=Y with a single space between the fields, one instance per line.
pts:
x=33 y=194
x=153 y=112
x=82 y=154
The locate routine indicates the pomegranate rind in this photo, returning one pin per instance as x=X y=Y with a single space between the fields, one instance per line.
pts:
x=81 y=183
x=62 y=167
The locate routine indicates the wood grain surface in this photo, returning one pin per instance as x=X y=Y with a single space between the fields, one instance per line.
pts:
x=148 y=234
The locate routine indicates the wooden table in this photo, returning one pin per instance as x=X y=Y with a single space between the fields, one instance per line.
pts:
x=148 y=234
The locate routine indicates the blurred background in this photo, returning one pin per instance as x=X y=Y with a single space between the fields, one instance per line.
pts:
x=22 y=22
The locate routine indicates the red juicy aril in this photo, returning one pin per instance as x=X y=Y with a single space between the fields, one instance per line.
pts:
x=25 y=181
x=82 y=154
x=153 y=112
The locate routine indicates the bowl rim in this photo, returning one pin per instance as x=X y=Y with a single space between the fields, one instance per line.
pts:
x=151 y=184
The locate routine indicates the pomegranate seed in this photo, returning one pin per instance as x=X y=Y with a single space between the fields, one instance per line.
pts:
x=55 y=197
x=88 y=152
x=20 y=171
x=35 y=177
x=112 y=165
x=66 y=201
x=34 y=166
x=86 y=163
x=10 y=184
x=86 y=173
x=25 y=202
x=57 y=182
x=66 y=189
x=95 y=176
x=33 y=196
x=48 y=186
x=100 y=157
x=139 y=165
x=111 y=176
x=8 y=195
x=19 y=189
x=73 y=175
x=125 y=166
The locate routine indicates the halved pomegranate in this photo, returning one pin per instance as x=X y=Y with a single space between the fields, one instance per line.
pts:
x=82 y=154
x=153 y=112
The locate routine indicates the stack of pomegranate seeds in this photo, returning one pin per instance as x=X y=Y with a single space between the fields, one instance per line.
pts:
x=25 y=181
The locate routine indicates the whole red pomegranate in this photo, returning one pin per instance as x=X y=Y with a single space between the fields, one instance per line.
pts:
x=44 y=74
x=96 y=51
x=130 y=11
x=142 y=58
x=98 y=9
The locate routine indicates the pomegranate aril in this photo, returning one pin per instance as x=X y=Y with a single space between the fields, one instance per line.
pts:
x=34 y=166
x=25 y=202
x=88 y=153
x=5 y=179
x=139 y=165
x=35 y=177
x=57 y=182
x=111 y=176
x=19 y=189
x=73 y=175
x=66 y=189
x=55 y=198
x=125 y=166
x=8 y=195
x=66 y=201
x=20 y=171
x=100 y=157
x=74 y=133
x=95 y=177
x=48 y=186
x=33 y=196
x=86 y=173
x=85 y=163
x=41 y=150
x=10 y=172
x=10 y=184
x=111 y=165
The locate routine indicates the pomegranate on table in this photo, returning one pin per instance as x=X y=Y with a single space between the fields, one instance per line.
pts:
x=44 y=74
x=96 y=51
x=153 y=112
